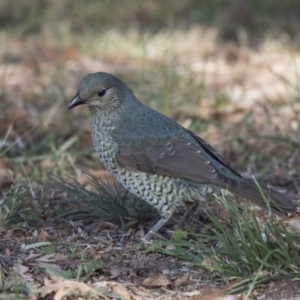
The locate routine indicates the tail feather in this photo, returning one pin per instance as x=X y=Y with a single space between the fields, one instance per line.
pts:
x=279 y=203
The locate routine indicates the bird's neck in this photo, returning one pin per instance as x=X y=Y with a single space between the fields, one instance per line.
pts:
x=102 y=122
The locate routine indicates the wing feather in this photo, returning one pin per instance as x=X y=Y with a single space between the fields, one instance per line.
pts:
x=178 y=157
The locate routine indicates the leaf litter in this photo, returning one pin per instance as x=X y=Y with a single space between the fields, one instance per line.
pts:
x=139 y=274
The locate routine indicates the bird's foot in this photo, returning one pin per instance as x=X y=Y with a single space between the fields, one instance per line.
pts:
x=153 y=231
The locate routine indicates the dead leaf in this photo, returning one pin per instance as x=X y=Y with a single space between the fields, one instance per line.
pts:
x=47 y=163
x=207 y=262
x=121 y=271
x=209 y=294
x=32 y=256
x=107 y=226
x=295 y=225
x=8 y=234
x=7 y=253
x=6 y=177
x=62 y=287
x=156 y=281
x=43 y=235
x=263 y=273
x=54 y=257
x=183 y=280
x=5 y=164
x=139 y=234
x=115 y=272
x=21 y=269
x=61 y=292
x=121 y=290
x=49 y=261
x=171 y=247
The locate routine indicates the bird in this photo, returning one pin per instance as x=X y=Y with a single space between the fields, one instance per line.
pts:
x=156 y=158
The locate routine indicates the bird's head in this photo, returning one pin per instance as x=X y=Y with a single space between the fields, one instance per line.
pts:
x=100 y=91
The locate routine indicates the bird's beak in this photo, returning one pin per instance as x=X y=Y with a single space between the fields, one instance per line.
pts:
x=75 y=101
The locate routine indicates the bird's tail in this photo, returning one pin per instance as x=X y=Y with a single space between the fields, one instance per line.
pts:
x=262 y=194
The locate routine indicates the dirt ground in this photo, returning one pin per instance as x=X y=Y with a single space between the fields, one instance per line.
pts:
x=241 y=95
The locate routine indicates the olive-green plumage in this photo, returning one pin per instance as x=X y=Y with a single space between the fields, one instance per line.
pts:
x=154 y=157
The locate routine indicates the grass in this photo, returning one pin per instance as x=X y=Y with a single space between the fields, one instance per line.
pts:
x=228 y=78
x=246 y=247
x=17 y=288
x=12 y=201
x=104 y=202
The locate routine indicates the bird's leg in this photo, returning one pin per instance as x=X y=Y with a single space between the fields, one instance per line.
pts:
x=164 y=220
x=192 y=207
x=155 y=228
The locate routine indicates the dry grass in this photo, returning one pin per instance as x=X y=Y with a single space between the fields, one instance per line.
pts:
x=243 y=99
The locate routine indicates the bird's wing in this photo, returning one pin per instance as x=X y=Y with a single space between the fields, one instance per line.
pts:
x=178 y=157
x=212 y=152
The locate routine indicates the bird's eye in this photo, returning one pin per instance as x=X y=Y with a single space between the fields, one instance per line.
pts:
x=101 y=93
